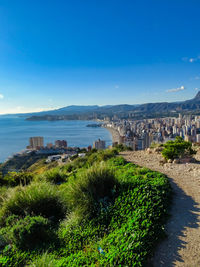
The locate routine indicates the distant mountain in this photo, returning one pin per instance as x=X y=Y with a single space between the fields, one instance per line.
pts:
x=122 y=111
x=69 y=110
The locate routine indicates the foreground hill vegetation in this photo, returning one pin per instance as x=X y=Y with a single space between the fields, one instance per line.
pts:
x=94 y=211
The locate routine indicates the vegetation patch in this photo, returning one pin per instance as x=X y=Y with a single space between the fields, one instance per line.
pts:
x=177 y=149
x=93 y=189
x=14 y=178
x=106 y=212
x=27 y=233
x=36 y=199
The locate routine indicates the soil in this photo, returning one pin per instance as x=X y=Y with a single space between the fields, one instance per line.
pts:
x=182 y=246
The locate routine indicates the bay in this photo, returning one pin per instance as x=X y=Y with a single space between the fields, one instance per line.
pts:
x=15 y=132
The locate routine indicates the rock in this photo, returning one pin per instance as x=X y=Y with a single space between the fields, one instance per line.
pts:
x=149 y=151
x=169 y=161
x=162 y=162
x=187 y=160
x=158 y=149
x=176 y=161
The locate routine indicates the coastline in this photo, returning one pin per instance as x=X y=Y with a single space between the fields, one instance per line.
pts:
x=115 y=134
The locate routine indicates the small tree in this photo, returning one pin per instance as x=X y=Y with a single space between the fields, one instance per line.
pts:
x=177 y=149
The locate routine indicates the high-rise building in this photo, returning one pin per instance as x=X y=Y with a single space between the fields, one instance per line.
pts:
x=61 y=143
x=36 y=142
x=99 y=144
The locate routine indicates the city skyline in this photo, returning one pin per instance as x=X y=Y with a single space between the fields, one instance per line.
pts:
x=76 y=53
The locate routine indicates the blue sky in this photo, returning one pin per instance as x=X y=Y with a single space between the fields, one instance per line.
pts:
x=59 y=53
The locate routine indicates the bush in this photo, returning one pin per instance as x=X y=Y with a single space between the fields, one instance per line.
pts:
x=122 y=147
x=155 y=145
x=46 y=260
x=29 y=232
x=104 y=155
x=55 y=176
x=12 y=257
x=94 y=187
x=15 y=178
x=177 y=149
x=3 y=192
x=35 y=199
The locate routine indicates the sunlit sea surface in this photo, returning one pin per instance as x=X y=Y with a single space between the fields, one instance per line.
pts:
x=15 y=132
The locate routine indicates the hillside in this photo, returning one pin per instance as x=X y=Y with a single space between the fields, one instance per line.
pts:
x=94 y=211
x=122 y=111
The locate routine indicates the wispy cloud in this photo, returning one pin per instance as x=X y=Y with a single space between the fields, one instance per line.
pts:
x=196 y=89
x=175 y=89
x=191 y=59
x=1 y=96
x=116 y=86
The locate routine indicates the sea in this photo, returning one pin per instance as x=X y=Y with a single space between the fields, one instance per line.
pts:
x=15 y=132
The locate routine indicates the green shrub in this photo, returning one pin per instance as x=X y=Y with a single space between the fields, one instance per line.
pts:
x=55 y=176
x=46 y=260
x=121 y=147
x=137 y=222
x=29 y=232
x=93 y=188
x=3 y=241
x=13 y=257
x=117 y=161
x=104 y=155
x=17 y=178
x=3 y=192
x=155 y=145
x=177 y=149
x=35 y=199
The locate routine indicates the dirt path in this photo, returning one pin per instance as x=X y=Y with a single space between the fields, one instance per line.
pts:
x=182 y=247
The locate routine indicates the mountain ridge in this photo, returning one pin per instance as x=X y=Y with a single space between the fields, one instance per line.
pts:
x=93 y=111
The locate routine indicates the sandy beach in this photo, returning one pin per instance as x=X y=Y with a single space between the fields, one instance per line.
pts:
x=115 y=134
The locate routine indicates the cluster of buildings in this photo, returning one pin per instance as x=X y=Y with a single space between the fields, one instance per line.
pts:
x=59 y=151
x=37 y=143
x=140 y=134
